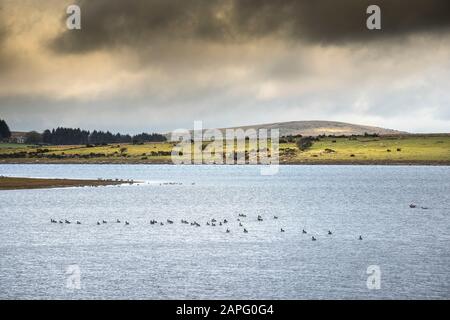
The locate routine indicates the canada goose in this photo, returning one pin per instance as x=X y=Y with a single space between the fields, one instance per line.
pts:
x=117 y=221
x=275 y=217
x=282 y=230
x=225 y=221
x=78 y=222
x=53 y=221
x=228 y=230
x=127 y=223
x=207 y=224
x=169 y=221
x=424 y=208
x=240 y=224
x=60 y=221
x=313 y=239
x=304 y=232
x=220 y=223
x=245 y=230
x=360 y=238
x=161 y=223
x=67 y=221
x=213 y=224
x=412 y=206
x=329 y=232
x=98 y=223
x=238 y=219
x=213 y=220
x=260 y=218
x=104 y=221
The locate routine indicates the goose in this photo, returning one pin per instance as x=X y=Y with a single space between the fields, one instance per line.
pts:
x=104 y=221
x=260 y=218
x=213 y=224
x=225 y=221
x=329 y=232
x=127 y=223
x=117 y=221
x=282 y=230
x=304 y=232
x=67 y=221
x=313 y=239
x=53 y=221
x=60 y=221
x=228 y=230
x=213 y=220
x=78 y=222
x=220 y=223
x=161 y=223
x=238 y=219
x=245 y=230
x=275 y=217
x=98 y=223
x=169 y=221
x=360 y=238
x=240 y=224
x=207 y=224
x=412 y=206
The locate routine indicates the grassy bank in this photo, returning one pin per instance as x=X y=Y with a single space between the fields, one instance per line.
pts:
x=404 y=149
x=12 y=183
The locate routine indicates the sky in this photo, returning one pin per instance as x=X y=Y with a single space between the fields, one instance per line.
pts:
x=158 y=65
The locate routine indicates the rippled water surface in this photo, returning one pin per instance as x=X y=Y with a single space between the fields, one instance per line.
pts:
x=410 y=246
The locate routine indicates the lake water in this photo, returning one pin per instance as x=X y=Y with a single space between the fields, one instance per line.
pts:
x=39 y=259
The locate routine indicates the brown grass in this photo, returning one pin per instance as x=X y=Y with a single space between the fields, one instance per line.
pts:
x=12 y=183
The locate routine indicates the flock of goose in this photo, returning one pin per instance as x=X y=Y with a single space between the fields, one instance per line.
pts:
x=212 y=223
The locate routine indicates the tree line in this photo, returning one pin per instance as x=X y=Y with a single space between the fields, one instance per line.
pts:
x=67 y=136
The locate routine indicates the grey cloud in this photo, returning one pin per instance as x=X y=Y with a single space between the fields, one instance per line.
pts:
x=3 y=35
x=112 y=23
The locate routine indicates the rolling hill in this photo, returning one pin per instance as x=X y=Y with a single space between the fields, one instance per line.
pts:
x=316 y=128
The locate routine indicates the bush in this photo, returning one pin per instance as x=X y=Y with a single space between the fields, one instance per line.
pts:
x=305 y=143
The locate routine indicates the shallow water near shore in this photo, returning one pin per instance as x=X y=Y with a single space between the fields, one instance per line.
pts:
x=144 y=261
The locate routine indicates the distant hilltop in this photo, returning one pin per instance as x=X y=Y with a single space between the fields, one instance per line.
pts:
x=317 y=128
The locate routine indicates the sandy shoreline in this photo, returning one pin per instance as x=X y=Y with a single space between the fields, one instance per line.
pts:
x=283 y=163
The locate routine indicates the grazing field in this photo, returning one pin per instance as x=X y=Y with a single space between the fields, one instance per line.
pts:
x=420 y=149
x=396 y=149
x=11 y=183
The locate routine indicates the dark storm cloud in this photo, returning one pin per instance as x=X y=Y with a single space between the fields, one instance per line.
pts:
x=112 y=23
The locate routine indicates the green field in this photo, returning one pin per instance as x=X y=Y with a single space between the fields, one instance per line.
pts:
x=406 y=149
